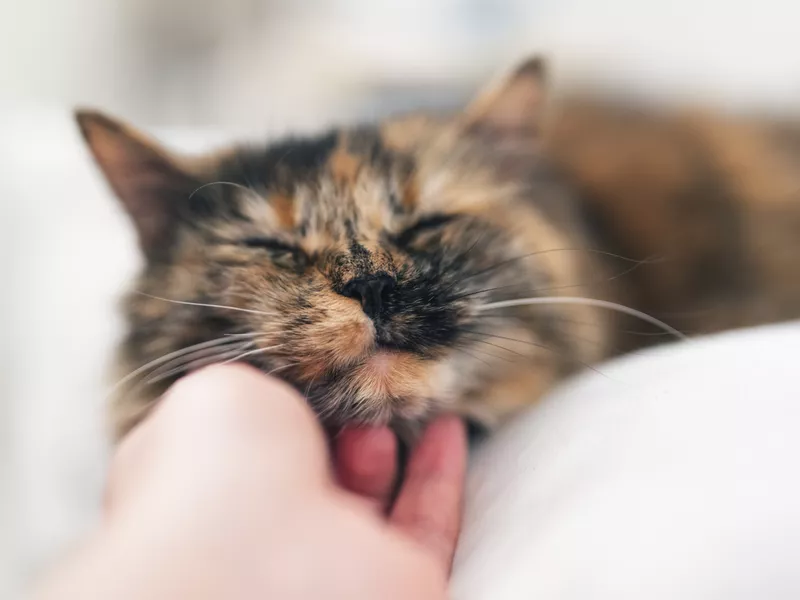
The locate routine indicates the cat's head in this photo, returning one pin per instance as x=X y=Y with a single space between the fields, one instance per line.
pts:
x=355 y=265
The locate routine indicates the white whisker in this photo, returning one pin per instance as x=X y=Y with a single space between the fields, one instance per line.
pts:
x=310 y=383
x=222 y=358
x=249 y=190
x=201 y=354
x=252 y=352
x=281 y=368
x=229 y=339
x=195 y=364
x=587 y=302
x=222 y=306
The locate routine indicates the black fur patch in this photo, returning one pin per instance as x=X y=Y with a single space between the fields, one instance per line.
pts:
x=281 y=164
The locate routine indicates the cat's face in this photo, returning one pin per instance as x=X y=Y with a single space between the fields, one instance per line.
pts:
x=355 y=265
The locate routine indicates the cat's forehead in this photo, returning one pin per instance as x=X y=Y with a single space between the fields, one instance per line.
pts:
x=343 y=183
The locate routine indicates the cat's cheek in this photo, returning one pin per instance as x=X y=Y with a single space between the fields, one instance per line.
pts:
x=448 y=380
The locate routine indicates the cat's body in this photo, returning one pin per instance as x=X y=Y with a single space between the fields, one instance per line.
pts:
x=361 y=265
x=713 y=199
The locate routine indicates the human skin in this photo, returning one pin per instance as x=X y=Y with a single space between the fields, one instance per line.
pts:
x=229 y=490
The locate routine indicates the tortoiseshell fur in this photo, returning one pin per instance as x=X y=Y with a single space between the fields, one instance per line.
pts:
x=693 y=219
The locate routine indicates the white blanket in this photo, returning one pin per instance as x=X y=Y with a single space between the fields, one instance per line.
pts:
x=672 y=475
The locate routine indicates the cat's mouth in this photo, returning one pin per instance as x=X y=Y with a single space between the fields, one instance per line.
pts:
x=384 y=384
x=355 y=372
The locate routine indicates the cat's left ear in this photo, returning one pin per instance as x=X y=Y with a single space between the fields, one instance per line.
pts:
x=152 y=183
x=511 y=109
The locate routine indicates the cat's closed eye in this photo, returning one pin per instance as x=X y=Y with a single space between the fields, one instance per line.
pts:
x=281 y=253
x=427 y=224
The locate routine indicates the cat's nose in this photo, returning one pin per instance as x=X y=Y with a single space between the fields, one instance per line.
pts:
x=371 y=291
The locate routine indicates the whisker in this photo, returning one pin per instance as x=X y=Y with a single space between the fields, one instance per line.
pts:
x=558 y=287
x=487 y=353
x=245 y=294
x=460 y=348
x=487 y=290
x=649 y=260
x=502 y=337
x=252 y=352
x=462 y=255
x=190 y=364
x=249 y=190
x=282 y=367
x=222 y=306
x=565 y=319
x=537 y=345
x=200 y=354
x=323 y=407
x=310 y=383
x=359 y=409
x=472 y=332
x=649 y=333
x=573 y=321
x=595 y=281
x=586 y=302
x=188 y=349
x=221 y=358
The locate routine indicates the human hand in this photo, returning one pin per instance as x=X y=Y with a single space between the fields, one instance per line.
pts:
x=228 y=491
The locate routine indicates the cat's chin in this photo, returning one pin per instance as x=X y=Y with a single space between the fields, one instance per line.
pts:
x=390 y=384
x=382 y=363
x=386 y=372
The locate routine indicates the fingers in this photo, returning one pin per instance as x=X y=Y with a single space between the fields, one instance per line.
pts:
x=240 y=395
x=429 y=505
x=366 y=463
x=221 y=423
x=239 y=400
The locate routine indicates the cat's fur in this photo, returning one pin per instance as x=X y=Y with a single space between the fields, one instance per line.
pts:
x=421 y=220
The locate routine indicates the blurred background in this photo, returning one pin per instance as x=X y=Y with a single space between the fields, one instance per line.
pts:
x=196 y=72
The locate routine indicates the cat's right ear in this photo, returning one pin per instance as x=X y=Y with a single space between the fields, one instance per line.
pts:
x=510 y=109
x=149 y=181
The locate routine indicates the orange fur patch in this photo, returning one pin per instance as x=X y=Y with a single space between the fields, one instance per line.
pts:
x=284 y=210
x=410 y=194
x=344 y=167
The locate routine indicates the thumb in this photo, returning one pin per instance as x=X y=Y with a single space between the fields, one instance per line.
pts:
x=222 y=423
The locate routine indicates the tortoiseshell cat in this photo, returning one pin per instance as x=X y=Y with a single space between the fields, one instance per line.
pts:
x=364 y=266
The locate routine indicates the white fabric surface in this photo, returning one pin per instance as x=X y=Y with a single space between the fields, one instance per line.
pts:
x=672 y=475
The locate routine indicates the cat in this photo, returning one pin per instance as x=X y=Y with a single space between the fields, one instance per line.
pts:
x=463 y=262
